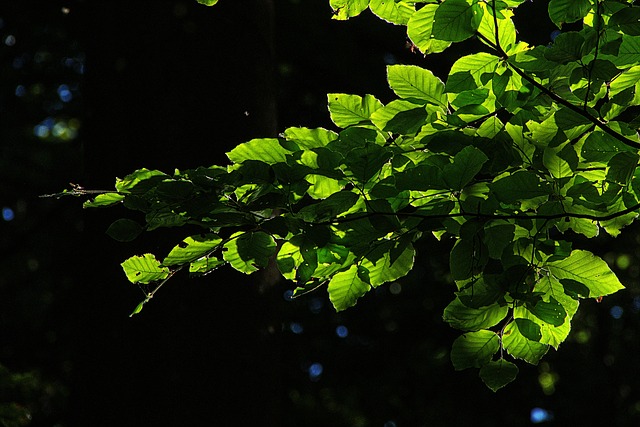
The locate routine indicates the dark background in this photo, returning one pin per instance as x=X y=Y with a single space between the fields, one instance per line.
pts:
x=169 y=84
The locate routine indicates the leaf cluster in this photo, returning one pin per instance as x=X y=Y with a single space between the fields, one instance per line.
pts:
x=520 y=148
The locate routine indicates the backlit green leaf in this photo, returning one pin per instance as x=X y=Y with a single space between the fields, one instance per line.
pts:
x=416 y=84
x=102 y=200
x=499 y=373
x=456 y=20
x=419 y=30
x=383 y=269
x=466 y=165
x=346 y=287
x=345 y=9
x=249 y=251
x=191 y=249
x=474 y=349
x=588 y=269
x=396 y=12
x=346 y=110
x=267 y=150
x=567 y=11
x=521 y=347
x=465 y=318
x=144 y=269
x=310 y=138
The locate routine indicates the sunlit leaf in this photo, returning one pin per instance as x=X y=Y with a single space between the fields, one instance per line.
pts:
x=348 y=110
x=520 y=346
x=102 y=200
x=465 y=318
x=456 y=20
x=310 y=138
x=397 y=12
x=191 y=249
x=345 y=9
x=419 y=30
x=346 y=287
x=144 y=269
x=249 y=251
x=267 y=150
x=139 y=181
x=416 y=84
x=588 y=269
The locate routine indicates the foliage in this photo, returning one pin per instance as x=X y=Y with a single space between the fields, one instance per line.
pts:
x=519 y=150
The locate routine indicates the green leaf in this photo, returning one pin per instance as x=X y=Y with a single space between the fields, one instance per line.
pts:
x=103 y=200
x=192 y=248
x=626 y=20
x=621 y=167
x=471 y=72
x=204 y=266
x=249 y=251
x=383 y=268
x=566 y=11
x=465 y=318
x=550 y=334
x=506 y=28
x=629 y=78
x=465 y=166
x=588 y=269
x=419 y=30
x=567 y=47
x=528 y=329
x=520 y=346
x=124 y=230
x=164 y=217
x=561 y=161
x=144 y=269
x=400 y=116
x=138 y=308
x=416 y=84
x=267 y=150
x=456 y=20
x=331 y=207
x=550 y=312
x=346 y=287
x=481 y=292
x=601 y=147
x=140 y=181
x=420 y=178
x=346 y=110
x=207 y=2
x=520 y=185
x=474 y=349
x=499 y=373
x=364 y=162
x=628 y=53
x=310 y=138
x=397 y=11
x=322 y=186
x=345 y=9
x=468 y=256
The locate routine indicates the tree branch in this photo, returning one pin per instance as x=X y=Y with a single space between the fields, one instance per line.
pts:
x=560 y=100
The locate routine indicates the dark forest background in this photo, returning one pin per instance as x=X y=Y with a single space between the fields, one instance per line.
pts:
x=91 y=90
